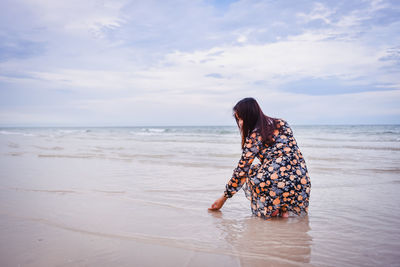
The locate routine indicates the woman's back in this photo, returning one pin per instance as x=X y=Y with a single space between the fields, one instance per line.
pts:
x=282 y=179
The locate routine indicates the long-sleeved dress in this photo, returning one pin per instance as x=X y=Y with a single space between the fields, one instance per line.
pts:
x=279 y=181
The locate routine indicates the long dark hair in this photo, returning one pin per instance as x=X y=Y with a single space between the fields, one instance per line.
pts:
x=250 y=112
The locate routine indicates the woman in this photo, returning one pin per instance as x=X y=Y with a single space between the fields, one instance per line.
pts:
x=280 y=183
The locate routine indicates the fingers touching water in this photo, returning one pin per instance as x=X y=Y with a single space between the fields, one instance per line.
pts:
x=218 y=203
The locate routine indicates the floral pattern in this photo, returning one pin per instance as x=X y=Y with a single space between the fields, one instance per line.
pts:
x=280 y=181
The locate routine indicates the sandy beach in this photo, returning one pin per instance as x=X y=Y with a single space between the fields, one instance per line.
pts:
x=139 y=197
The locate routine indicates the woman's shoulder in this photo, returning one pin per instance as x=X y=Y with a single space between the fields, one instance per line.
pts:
x=255 y=134
x=282 y=122
x=284 y=127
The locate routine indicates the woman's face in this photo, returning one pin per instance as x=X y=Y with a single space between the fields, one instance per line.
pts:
x=240 y=121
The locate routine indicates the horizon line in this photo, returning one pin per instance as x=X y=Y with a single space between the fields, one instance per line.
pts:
x=159 y=126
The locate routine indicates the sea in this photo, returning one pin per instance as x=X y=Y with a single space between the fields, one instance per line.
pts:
x=139 y=196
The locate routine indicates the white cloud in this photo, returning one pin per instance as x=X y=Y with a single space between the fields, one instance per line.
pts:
x=122 y=57
x=319 y=12
x=277 y=63
x=77 y=16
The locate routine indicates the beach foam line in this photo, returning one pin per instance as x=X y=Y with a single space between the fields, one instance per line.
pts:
x=68 y=156
x=180 y=190
x=13 y=145
x=43 y=190
x=124 y=157
x=15 y=154
x=15 y=133
x=109 y=192
x=198 y=164
x=66 y=191
x=374 y=148
x=48 y=148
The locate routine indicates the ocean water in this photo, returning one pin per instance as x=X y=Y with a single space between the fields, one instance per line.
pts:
x=138 y=196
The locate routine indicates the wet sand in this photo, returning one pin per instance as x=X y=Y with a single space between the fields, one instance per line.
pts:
x=101 y=198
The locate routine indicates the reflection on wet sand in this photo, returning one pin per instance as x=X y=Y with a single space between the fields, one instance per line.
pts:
x=277 y=242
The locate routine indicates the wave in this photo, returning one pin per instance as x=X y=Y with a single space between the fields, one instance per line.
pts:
x=128 y=157
x=15 y=133
x=154 y=130
x=44 y=190
x=110 y=192
x=352 y=169
x=109 y=148
x=13 y=145
x=83 y=156
x=352 y=147
x=15 y=154
x=330 y=159
x=180 y=190
x=386 y=170
x=49 y=148
x=68 y=191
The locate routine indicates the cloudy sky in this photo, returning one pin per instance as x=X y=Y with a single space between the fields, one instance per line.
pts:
x=133 y=62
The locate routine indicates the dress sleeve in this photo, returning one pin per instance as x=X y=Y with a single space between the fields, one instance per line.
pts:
x=251 y=149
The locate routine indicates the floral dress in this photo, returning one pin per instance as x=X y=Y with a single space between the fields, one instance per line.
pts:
x=280 y=181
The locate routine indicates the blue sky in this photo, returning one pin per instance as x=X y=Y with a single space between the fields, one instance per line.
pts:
x=95 y=63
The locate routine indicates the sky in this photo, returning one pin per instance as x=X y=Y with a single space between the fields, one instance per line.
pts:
x=147 y=63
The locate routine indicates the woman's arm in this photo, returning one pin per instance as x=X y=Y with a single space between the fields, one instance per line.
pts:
x=251 y=149
x=240 y=173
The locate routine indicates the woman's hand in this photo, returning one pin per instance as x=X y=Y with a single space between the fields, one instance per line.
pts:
x=218 y=203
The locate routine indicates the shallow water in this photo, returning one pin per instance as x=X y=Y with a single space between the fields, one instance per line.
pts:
x=139 y=196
